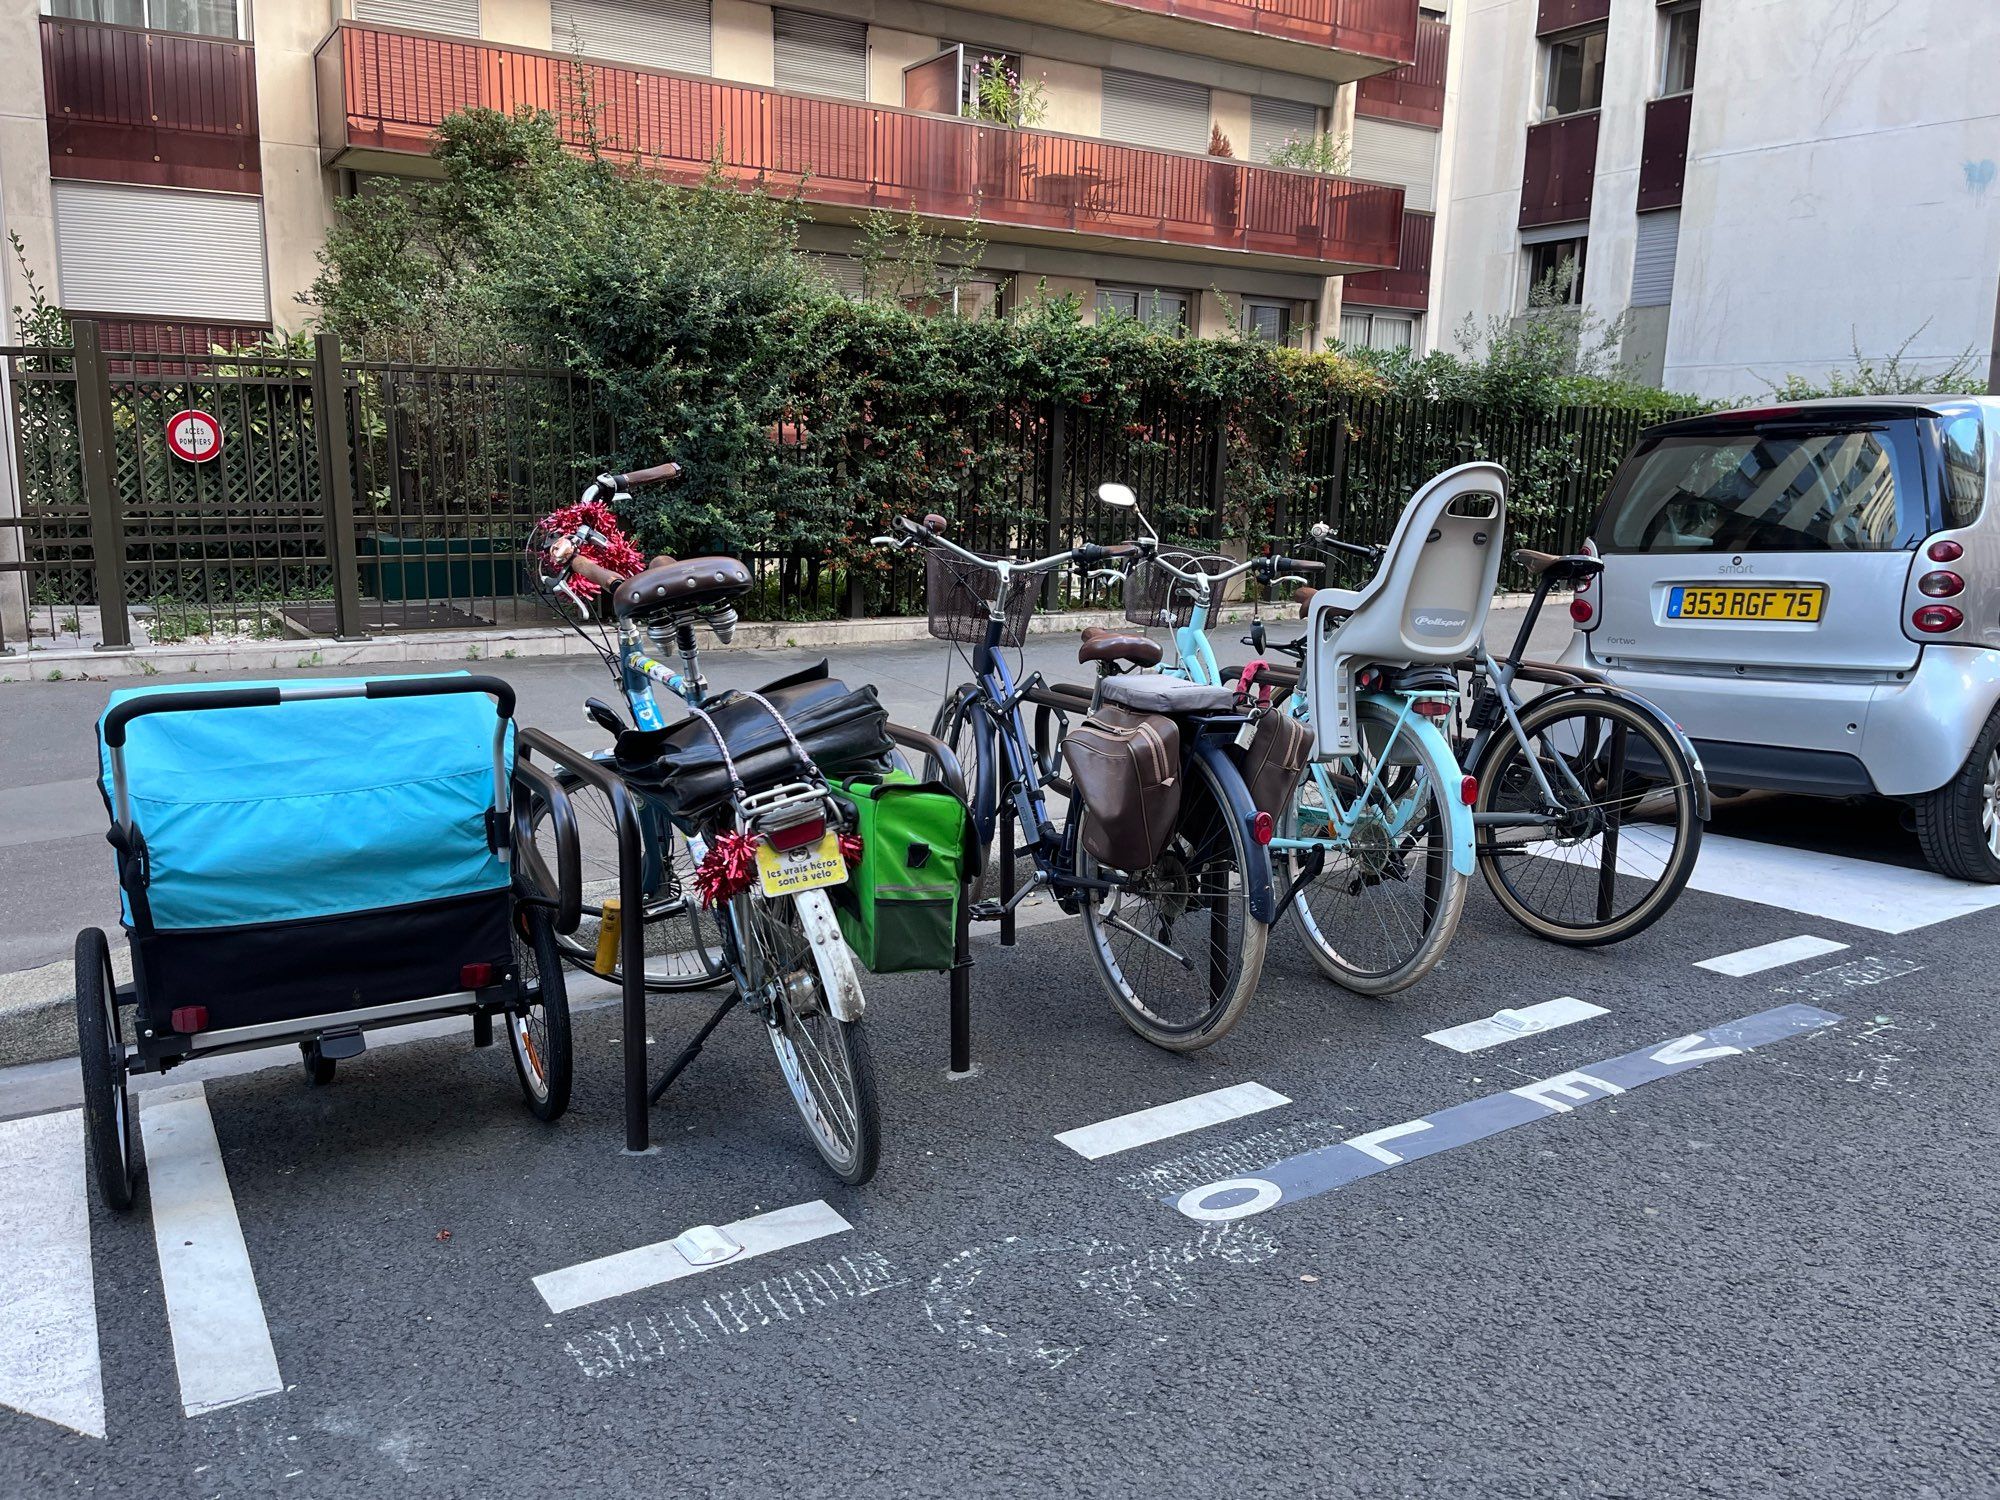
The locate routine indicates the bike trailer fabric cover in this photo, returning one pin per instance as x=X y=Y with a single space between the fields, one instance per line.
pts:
x=899 y=907
x=314 y=855
x=1127 y=769
x=843 y=729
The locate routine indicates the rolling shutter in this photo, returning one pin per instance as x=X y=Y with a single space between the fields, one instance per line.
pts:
x=1149 y=111
x=1275 y=121
x=820 y=54
x=844 y=271
x=459 y=17
x=1653 y=258
x=652 y=33
x=156 y=252
x=1385 y=151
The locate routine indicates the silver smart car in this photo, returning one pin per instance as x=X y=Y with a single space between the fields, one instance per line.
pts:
x=1813 y=591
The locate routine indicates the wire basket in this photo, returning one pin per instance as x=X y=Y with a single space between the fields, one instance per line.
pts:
x=1153 y=596
x=960 y=598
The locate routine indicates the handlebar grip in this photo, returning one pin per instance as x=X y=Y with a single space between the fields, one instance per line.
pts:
x=1296 y=565
x=935 y=522
x=654 y=475
x=597 y=573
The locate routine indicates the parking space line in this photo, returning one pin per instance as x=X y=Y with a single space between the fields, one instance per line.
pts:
x=651 y=1265
x=49 y=1361
x=1858 y=892
x=1144 y=1126
x=1511 y=1025
x=222 y=1345
x=1771 y=956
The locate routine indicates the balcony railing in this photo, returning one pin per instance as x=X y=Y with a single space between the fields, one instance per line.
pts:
x=387 y=91
x=1560 y=171
x=129 y=105
x=1408 y=286
x=1375 y=28
x=1413 y=93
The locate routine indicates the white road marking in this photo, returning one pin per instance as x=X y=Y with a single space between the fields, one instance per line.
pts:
x=1512 y=1025
x=222 y=1345
x=1162 y=1121
x=1771 y=956
x=49 y=1362
x=650 y=1265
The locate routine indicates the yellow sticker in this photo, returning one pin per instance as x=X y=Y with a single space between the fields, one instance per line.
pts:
x=786 y=872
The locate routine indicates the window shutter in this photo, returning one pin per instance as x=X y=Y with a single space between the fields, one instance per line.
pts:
x=652 y=33
x=1275 y=121
x=459 y=17
x=820 y=54
x=1653 y=258
x=1162 y=112
x=157 y=252
x=844 y=271
x=1385 y=151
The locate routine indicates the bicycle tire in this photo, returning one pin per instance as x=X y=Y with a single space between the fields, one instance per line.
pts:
x=1233 y=973
x=111 y=1127
x=684 y=941
x=954 y=726
x=1529 y=896
x=538 y=1031
x=1362 y=892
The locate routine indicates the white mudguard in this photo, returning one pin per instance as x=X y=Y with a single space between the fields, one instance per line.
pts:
x=837 y=973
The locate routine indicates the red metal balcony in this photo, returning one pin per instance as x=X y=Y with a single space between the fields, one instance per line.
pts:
x=154 y=107
x=1560 y=172
x=1663 y=154
x=1408 y=287
x=1413 y=93
x=383 y=93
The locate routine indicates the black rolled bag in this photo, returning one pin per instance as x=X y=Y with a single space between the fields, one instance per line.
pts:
x=844 y=729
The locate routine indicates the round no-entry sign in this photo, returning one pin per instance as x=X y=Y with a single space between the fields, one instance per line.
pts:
x=194 y=436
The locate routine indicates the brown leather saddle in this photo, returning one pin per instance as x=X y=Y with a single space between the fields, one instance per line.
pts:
x=684 y=583
x=1105 y=644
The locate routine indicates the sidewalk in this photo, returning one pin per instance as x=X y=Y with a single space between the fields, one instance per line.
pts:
x=56 y=871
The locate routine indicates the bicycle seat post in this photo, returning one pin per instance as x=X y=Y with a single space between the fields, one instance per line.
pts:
x=684 y=642
x=1543 y=583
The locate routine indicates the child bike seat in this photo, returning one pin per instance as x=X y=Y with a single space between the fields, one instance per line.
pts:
x=1167 y=695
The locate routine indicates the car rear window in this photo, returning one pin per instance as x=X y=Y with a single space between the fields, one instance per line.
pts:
x=1790 y=489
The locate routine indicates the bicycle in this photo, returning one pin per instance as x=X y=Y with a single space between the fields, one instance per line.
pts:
x=1178 y=944
x=776 y=940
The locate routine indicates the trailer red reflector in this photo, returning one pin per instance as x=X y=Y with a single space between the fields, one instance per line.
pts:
x=188 y=1019
x=475 y=976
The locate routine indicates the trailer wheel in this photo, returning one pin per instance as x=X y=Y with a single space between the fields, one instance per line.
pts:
x=110 y=1128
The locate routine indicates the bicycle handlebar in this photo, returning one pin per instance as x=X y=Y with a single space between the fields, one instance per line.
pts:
x=654 y=475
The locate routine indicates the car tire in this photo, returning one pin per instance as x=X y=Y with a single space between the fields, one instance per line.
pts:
x=1958 y=825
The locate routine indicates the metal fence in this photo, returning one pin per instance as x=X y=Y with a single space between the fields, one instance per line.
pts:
x=362 y=497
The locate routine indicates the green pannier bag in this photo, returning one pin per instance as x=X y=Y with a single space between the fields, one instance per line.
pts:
x=899 y=907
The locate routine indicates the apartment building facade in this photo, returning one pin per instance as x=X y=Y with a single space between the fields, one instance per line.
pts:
x=172 y=165
x=1759 y=189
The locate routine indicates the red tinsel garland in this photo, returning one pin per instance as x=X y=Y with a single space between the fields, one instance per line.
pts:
x=616 y=553
x=730 y=865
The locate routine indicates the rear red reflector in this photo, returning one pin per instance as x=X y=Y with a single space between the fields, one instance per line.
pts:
x=1581 y=611
x=1935 y=619
x=1433 y=708
x=1468 y=790
x=1941 y=585
x=798 y=835
x=1261 y=828
x=188 y=1019
x=1945 y=551
x=475 y=976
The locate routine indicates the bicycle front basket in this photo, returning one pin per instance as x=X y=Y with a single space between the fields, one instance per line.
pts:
x=960 y=595
x=1153 y=596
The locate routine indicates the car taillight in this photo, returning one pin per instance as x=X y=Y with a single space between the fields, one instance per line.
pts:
x=1582 y=610
x=796 y=835
x=1941 y=585
x=1262 y=827
x=1935 y=619
x=1944 y=551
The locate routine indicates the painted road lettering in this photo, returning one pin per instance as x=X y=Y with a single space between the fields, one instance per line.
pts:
x=1335 y=1166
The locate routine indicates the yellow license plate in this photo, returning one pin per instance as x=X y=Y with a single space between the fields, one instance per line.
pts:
x=1802 y=602
x=786 y=872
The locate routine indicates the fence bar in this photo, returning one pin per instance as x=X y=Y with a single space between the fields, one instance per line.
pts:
x=1057 y=481
x=95 y=437
x=336 y=484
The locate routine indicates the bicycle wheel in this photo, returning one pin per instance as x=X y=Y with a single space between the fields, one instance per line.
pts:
x=683 y=941
x=111 y=1129
x=1620 y=847
x=955 y=726
x=1386 y=901
x=1176 y=946
x=825 y=1060
x=538 y=1030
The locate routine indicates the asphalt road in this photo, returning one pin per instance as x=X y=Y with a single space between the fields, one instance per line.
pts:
x=1769 y=1271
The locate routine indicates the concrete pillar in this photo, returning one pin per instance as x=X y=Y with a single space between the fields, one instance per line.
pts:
x=743 y=44
x=298 y=195
x=889 y=52
x=26 y=209
x=1075 y=94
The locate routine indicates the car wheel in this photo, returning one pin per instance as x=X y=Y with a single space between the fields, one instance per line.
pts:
x=1958 y=825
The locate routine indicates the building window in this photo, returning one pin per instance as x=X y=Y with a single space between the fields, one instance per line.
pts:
x=196 y=17
x=819 y=54
x=1161 y=311
x=1680 y=32
x=1268 y=322
x=1361 y=329
x=1555 y=273
x=1575 y=66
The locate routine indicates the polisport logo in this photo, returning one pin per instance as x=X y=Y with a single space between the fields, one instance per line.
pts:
x=1439 y=622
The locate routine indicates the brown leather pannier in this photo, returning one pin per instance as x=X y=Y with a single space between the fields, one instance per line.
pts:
x=1279 y=748
x=1128 y=772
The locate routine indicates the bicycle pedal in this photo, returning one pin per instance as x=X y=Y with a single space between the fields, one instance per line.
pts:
x=987 y=911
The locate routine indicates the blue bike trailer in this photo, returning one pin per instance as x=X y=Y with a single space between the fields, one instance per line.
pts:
x=295 y=852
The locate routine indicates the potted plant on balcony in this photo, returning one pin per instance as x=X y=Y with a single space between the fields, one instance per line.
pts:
x=1325 y=154
x=998 y=96
x=1225 y=185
